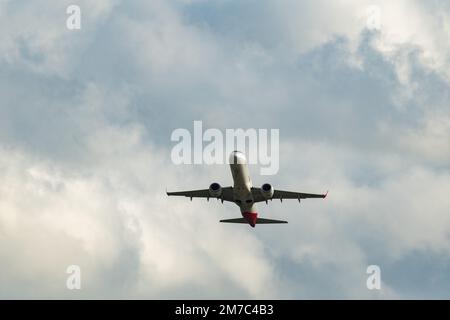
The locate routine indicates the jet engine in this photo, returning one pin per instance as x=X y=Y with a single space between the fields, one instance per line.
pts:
x=267 y=191
x=215 y=190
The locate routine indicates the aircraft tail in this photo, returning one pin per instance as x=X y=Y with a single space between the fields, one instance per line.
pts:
x=258 y=221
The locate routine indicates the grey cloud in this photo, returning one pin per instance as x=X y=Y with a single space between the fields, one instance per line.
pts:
x=85 y=127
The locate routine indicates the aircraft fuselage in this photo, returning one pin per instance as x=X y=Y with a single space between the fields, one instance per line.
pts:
x=242 y=187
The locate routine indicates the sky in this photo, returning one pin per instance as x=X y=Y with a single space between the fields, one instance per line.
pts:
x=86 y=116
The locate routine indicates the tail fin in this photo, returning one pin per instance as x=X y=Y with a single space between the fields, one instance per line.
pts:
x=258 y=221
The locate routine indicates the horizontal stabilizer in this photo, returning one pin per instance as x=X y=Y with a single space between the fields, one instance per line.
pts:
x=258 y=221
x=268 y=221
x=238 y=220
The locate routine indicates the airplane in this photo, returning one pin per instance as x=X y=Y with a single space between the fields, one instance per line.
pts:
x=243 y=194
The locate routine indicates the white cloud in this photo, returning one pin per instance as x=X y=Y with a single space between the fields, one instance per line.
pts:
x=429 y=141
x=117 y=206
x=404 y=209
x=404 y=25
x=98 y=199
x=34 y=34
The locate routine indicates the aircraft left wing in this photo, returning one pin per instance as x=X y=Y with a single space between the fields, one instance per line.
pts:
x=227 y=194
x=280 y=194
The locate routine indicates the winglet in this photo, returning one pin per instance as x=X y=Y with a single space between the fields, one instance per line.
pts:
x=325 y=195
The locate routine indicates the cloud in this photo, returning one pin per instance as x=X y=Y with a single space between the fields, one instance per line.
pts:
x=35 y=37
x=427 y=141
x=85 y=125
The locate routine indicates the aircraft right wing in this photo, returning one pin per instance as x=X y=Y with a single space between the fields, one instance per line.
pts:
x=227 y=194
x=280 y=194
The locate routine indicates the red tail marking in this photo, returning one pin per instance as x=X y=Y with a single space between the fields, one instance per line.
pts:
x=251 y=217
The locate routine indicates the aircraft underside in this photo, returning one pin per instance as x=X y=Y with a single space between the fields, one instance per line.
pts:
x=244 y=195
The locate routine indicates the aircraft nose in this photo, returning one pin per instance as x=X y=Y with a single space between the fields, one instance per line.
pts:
x=237 y=157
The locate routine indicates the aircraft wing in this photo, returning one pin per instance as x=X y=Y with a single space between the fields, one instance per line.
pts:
x=258 y=221
x=227 y=194
x=280 y=194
